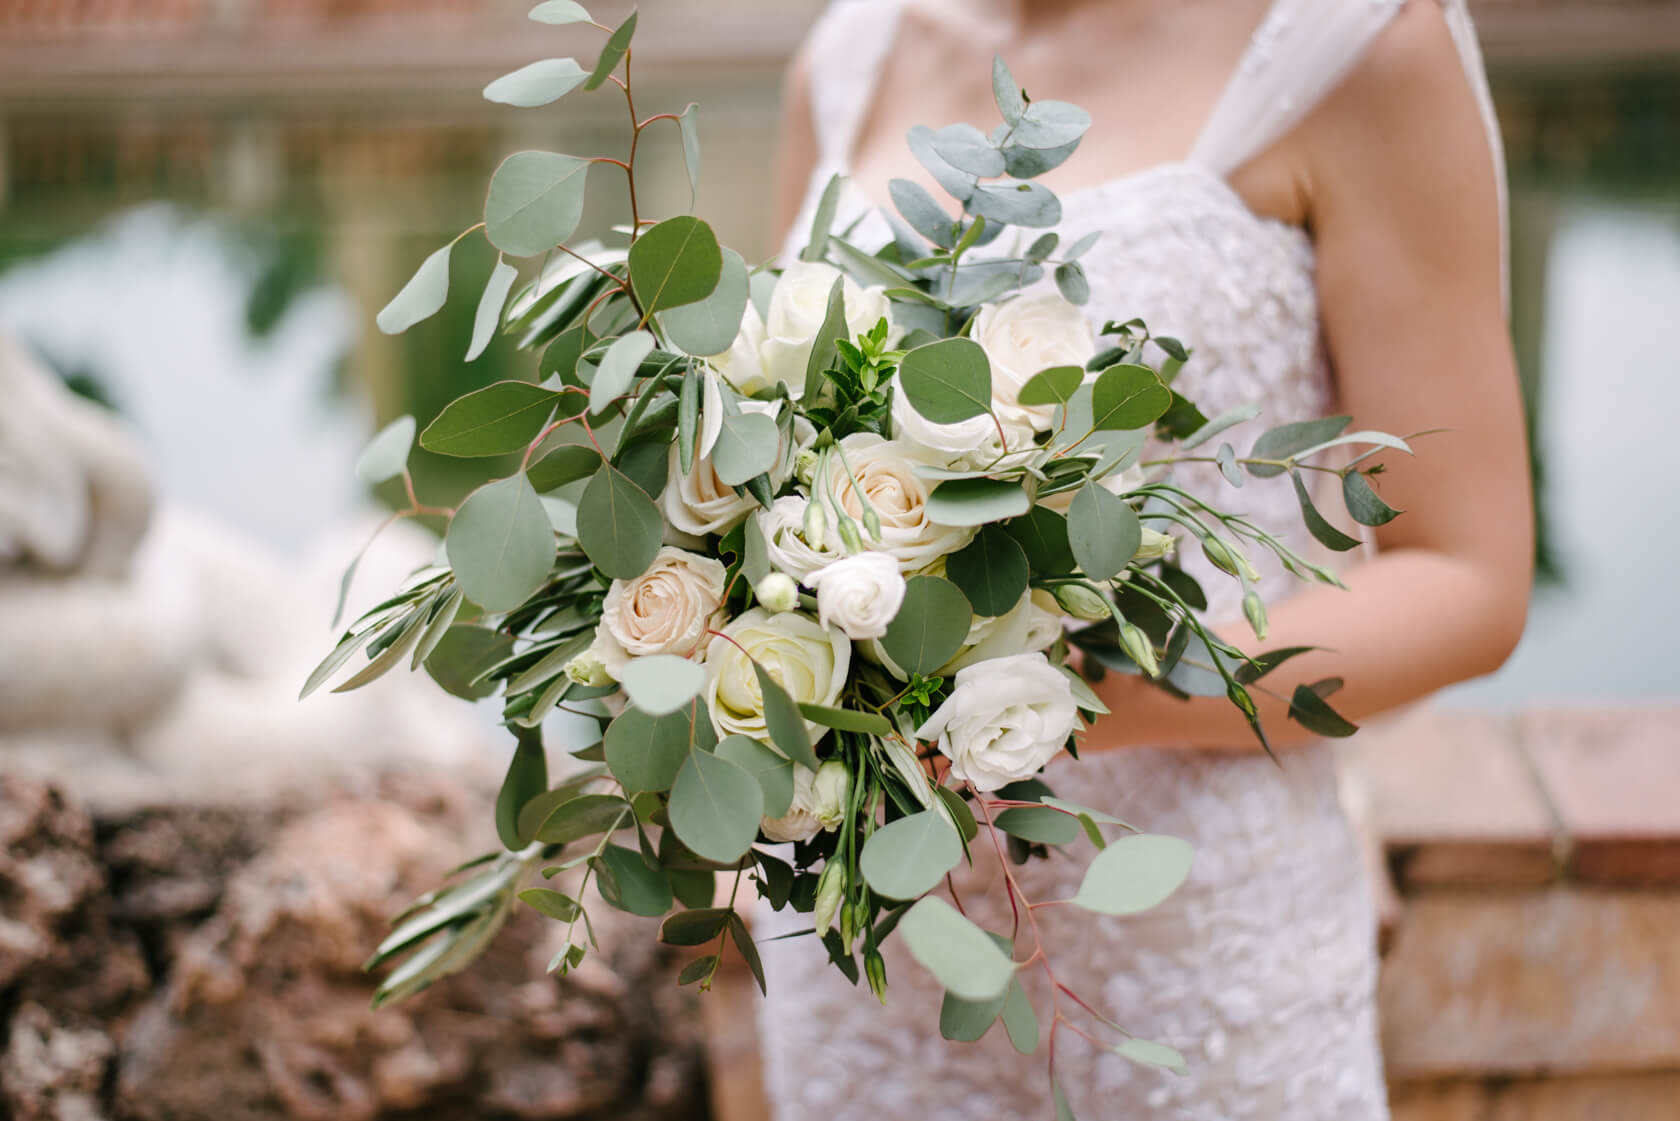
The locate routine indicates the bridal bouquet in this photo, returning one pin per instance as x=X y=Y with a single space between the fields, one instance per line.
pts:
x=783 y=545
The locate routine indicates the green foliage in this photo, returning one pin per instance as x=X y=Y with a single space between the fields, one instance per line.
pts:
x=495 y=420
x=619 y=527
x=947 y=381
x=535 y=202
x=907 y=858
x=1134 y=874
x=716 y=806
x=962 y=957
x=674 y=263
x=422 y=297
x=930 y=627
x=991 y=571
x=1103 y=532
x=540 y=83
x=386 y=455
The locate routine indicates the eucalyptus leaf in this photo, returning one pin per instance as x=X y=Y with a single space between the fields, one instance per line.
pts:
x=1228 y=467
x=618 y=369
x=613 y=52
x=619 y=527
x=1071 y=281
x=498 y=419
x=958 y=184
x=747 y=446
x=773 y=771
x=629 y=883
x=1016 y=204
x=535 y=202
x=1050 y=124
x=716 y=807
x=973 y=502
x=947 y=381
x=1326 y=534
x=490 y=307
x=386 y=455
x=962 y=957
x=907 y=858
x=925 y=216
x=526 y=778
x=1055 y=386
x=674 y=263
x=1027 y=163
x=560 y=12
x=689 y=130
x=565 y=464
x=537 y=84
x=1287 y=440
x=421 y=298
x=991 y=571
x=1103 y=531
x=784 y=721
x=500 y=544
x=1006 y=92
x=465 y=649
x=931 y=625
x=1363 y=503
x=694 y=928
x=965 y=1021
x=1019 y=1019
x=1134 y=874
x=1153 y=1054
x=584 y=816
x=966 y=148
x=1128 y=396
x=551 y=903
x=1220 y=423
x=662 y=683
x=1039 y=825
x=1043 y=536
x=709 y=326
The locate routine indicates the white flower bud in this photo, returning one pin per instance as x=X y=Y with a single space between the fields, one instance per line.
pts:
x=1081 y=602
x=830 y=791
x=777 y=592
x=1138 y=648
x=1255 y=609
x=1155 y=545
x=815 y=524
x=830 y=891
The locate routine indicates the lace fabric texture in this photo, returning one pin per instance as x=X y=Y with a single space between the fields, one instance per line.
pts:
x=1261 y=969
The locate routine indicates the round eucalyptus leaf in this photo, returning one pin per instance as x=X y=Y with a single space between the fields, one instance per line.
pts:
x=958 y=184
x=1134 y=874
x=1126 y=397
x=498 y=419
x=716 y=807
x=628 y=883
x=500 y=544
x=991 y=571
x=490 y=305
x=1050 y=124
x=709 y=326
x=965 y=1021
x=560 y=12
x=966 y=148
x=565 y=464
x=1043 y=536
x=930 y=627
x=773 y=771
x=1019 y=1019
x=535 y=202
x=1070 y=280
x=1010 y=102
x=747 y=446
x=619 y=527
x=662 y=683
x=963 y=502
x=1054 y=386
x=1153 y=1054
x=1017 y=204
x=1026 y=163
x=947 y=381
x=618 y=369
x=537 y=84
x=1039 y=824
x=386 y=455
x=584 y=816
x=421 y=297
x=1103 y=531
x=908 y=858
x=925 y=216
x=961 y=956
x=674 y=263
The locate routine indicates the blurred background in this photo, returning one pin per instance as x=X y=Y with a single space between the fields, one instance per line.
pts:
x=204 y=202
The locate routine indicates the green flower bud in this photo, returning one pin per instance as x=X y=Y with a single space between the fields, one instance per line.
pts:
x=1255 y=609
x=849 y=536
x=875 y=968
x=1218 y=554
x=777 y=592
x=831 y=889
x=1155 y=545
x=816 y=524
x=1139 y=649
x=1081 y=602
x=872 y=523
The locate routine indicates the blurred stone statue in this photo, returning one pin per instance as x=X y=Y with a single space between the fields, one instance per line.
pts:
x=164 y=649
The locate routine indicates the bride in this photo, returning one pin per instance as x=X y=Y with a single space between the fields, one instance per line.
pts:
x=1309 y=193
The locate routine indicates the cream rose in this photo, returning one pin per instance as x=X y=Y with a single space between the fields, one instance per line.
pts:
x=798 y=306
x=819 y=803
x=1005 y=719
x=783 y=529
x=698 y=502
x=665 y=610
x=802 y=657
x=969 y=442
x=885 y=471
x=742 y=365
x=860 y=594
x=1027 y=335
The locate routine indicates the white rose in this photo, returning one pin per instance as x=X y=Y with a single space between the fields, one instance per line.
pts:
x=1025 y=336
x=805 y=659
x=972 y=442
x=798 y=306
x=860 y=594
x=1044 y=620
x=783 y=529
x=1005 y=719
x=742 y=365
x=885 y=471
x=665 y=610
x=698 y=502
x=819 y=803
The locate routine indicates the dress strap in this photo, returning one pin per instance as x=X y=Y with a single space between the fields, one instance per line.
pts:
x=846 y=49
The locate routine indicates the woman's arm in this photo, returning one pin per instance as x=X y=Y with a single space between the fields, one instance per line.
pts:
x=1404 y=212
x=796 y=148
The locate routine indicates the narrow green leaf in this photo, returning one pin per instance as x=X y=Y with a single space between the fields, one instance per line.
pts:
x=1064 y=1112
x=1019 y=1019
x=1041 y=826
x=694 y=928
x=1363 y=504
x=1134 y=874
x=960 y=813
x=675 y=262
x=847 y=719
x=1287 y=440
x=1153 y=1054
x=991 y=571
x=1326 y=534
x=611 y=54
x=716 y=807
x=421 y=298
x=1308 y=709
x=584 y=816
x=1249 y=672
x=961 y=956
x=496 y=420
x=619 y=527
x=785 y=722
x=743 y=939
x=527 y=777
x=1220 y=423
x=566 y=464
x=535 y=202
x=907 y=858
x=537 y=84
x=500 y=544
x=386 y=455
x=551 y=903
x=1103 y=531
x=689 y=129
x=1125 y=397
x=698 y=970
x=822 y=222
x=930 y=627
x=688 y=418
x=490 y=307
x=974 y=502
x=773 y=771
x=824 y=348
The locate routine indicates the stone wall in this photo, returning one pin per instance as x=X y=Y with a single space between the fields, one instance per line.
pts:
x=176 y=962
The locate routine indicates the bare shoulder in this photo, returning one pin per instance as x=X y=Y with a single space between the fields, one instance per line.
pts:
x=1411 y=77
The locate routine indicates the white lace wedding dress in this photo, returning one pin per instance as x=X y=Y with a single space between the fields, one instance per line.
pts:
x=1261 y=969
